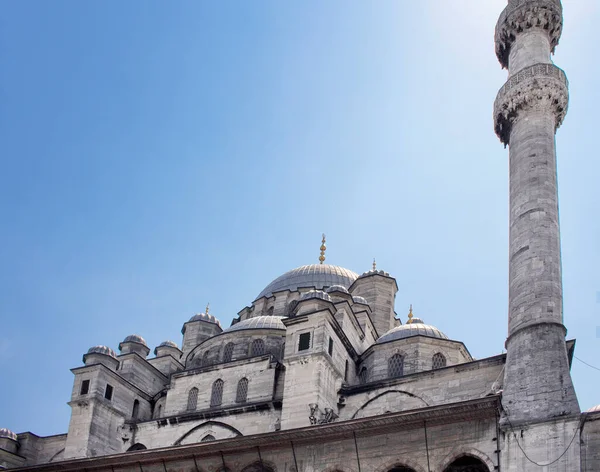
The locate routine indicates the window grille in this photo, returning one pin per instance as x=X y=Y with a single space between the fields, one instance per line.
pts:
x=216 y=396
x=304 y=342
x=192 y=399
x=438 y=361
x=207 y=438
x=85 y=387
x=396 y=366
x=363 y=375
x=242 y=391
x=257 y=348
x=228 y=352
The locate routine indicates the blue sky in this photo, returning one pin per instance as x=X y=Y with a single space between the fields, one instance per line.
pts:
x=157 y=156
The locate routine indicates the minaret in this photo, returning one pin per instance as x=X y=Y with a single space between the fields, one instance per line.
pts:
x=527 y=112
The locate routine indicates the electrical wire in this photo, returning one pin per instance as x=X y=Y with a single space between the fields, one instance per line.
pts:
x=584 y=362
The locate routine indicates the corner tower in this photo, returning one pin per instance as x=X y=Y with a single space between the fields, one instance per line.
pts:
x=527 y=112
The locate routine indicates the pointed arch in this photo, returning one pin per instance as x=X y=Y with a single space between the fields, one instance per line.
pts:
x=241 y=395
x=449 y=464
x=257 y=348
x=438 y=361
x=206 y=424
x=216 y=396
x=396 y=366
x=208 y=438
x=228 y=352
x=192 y=399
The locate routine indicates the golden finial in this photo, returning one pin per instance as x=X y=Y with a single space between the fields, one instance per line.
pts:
x=374 y=264
x=323 y=248
x=410 y=315
x=207 y=308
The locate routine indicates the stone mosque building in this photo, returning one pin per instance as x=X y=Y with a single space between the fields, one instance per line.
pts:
x=318 y=374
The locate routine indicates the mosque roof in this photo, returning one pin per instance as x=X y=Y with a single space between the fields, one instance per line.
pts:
x=205 y=317
x=258 y=322
x=318 y=276
x=414 y=328
x=7 y=433
x=134 y=338
x=107 y=351
x=168 y=344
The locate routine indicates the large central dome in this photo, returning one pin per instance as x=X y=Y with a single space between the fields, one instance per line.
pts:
x=318 y=276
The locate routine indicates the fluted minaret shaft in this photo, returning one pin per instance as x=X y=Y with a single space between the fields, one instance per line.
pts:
x=527 y=112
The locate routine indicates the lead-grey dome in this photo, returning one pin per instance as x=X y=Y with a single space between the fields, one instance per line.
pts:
x=315 y=294
x=168 y=344
x=318 y=276
x=359 y=299
x=337 y=288
x=107 y=351
x=135 y=338
x=7 y=433
x=205 y=317
x=594 y=409
x=258 y=322
x=415 y=328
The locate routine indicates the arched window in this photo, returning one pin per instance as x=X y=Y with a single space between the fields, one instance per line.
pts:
x=257 y=348
x=270 y=311
x=363 y=375
x=192 y=399
x=228 y=352
x=207 y=438
x=438 y=361
x=136 y=409
x=137 y=447
x=216 y=396
x=396 y=366
x=467 y=463
x=242 y=391
x=205 y=360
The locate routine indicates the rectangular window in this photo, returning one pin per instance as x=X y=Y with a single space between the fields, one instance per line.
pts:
x=108 y=392
x=330 y=349
x=304 y=342
x=85 y=387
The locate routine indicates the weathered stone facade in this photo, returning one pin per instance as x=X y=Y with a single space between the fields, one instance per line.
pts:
x=319 y=375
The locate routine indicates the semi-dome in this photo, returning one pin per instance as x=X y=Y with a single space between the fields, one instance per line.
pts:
x=318 y=276
x=359 y=299
x=315 y=294
x=7 y=433
x=205 y=317
x=258 y=322
x=134 y=338
x=415 y=328
x=337 y=288
x=107 y=351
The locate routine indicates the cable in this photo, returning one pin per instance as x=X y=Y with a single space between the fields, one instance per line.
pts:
x=584 y=362
x=525 y=454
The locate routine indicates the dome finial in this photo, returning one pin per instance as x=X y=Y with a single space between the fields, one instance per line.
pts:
x=207 y=308
x=410 y=315
x=374 y=264
x=323 y=248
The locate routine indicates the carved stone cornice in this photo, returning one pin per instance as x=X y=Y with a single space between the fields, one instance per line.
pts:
x=521 y=15
x=541 y=86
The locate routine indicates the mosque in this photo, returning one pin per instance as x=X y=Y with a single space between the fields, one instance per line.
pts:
x=318 y=374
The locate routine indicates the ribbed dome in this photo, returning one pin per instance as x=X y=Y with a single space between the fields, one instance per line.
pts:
x=416 y=328
x=358 y=299
x=375 y=272
x=107 y=351
x=168 y=344
x=7 y=433
x=594 y=409
x=258 y=322
x=134 y=338
x=318 y=276
x=315 y=294
x=205 y=317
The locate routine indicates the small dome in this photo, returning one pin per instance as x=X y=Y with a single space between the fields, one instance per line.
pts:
x=337 y=288
x=315 y=294
x=107 y=351
x=134 y=338
x=7 y=433
x=316 y=276
x=258 y=322
x=205 y=317
x=168 y=344
x=358 y=299
x=415 y=328
x=594 y=409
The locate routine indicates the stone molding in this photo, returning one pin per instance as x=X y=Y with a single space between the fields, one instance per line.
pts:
x=522 y=15
x=541 y=86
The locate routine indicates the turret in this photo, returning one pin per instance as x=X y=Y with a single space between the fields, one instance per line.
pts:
x=527 y=112
x=198 y=329
x=134 y=343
